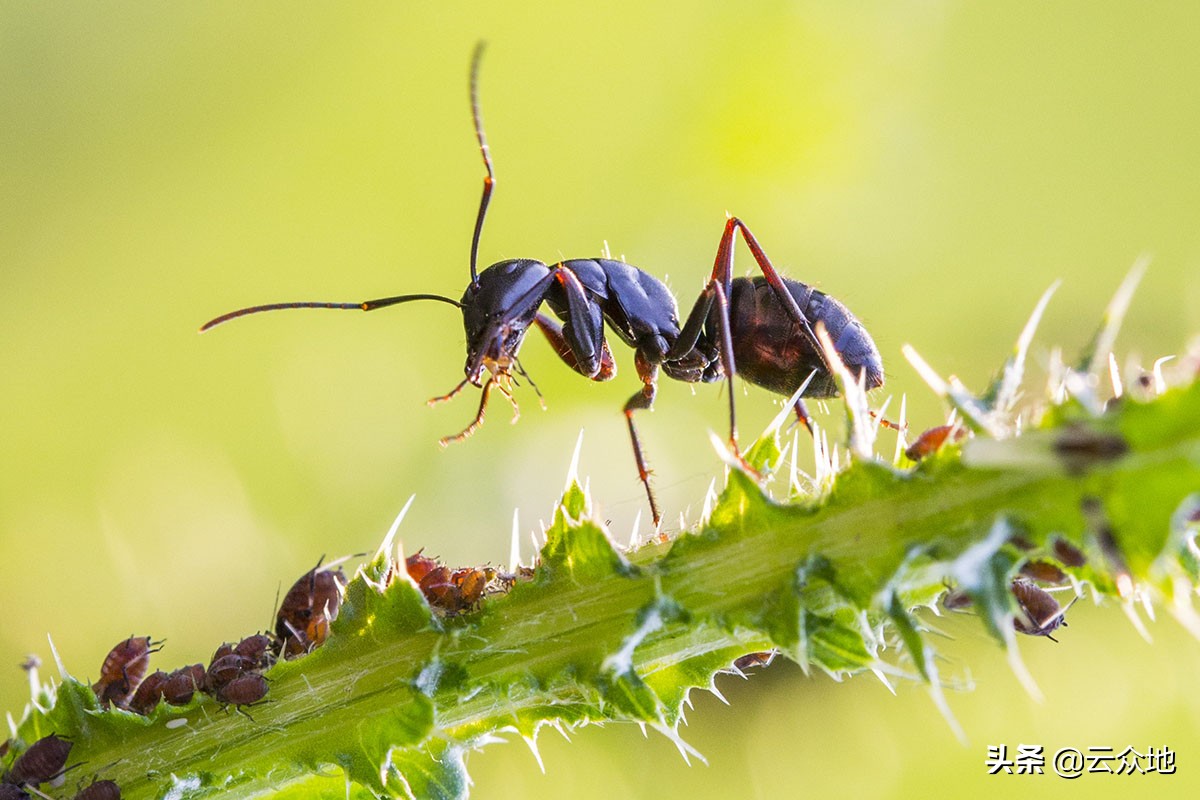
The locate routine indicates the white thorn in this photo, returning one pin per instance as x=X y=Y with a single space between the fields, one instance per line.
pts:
x=573 y=470
x=1019 y=669
x=385 y=548
x=723 y=450
x=1114 y=375
x=1135 y=619
x=62 y=670
x=786 y=411
x=794 y=468
x=1114 y=314
x=514 y=553
x=939 y=700
x=883 y=679
x=532 y=740
x=1160 y=383
x=1010 y=384
x=880 y=415
x=927 y=373
x=900 y=438
x=710 y=498
x=862 y=439
x=634 y=539
x=685 y=749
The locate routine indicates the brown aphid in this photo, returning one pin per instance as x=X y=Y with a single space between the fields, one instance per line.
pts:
x=225 y=670
x=100 y=790
x=1041 y=614
x=183 y=683
x=956 y=600
x=149 y=693
x=42 y=762
x=419 y=565
x=471 y=583
x=123 y=669
x=244 y=690
x=10 y=791
x=1043 y=571
x=258 y=649
x=933 y=440
x=750 y=660
x=437 y=587
x=1021 y=542
x=1068 y=554
x=302 y=622
x=1080 y=448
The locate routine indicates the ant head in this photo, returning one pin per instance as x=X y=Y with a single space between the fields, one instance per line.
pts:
x=497 y=311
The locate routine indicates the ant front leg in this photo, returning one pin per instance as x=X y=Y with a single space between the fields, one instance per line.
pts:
x=648 y=372
x=553 y=331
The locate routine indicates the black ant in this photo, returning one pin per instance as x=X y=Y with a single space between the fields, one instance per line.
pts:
x=761 y=328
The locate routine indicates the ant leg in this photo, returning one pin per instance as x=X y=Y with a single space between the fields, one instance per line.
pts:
x=553 y=331
x=803 y=416
x=445 y=441
x=723 y=272
x=648 y=372
x=442 y=398
x=583 y=326
x=715 y=292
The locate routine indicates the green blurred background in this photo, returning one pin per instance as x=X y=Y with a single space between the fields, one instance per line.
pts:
x=934 y=165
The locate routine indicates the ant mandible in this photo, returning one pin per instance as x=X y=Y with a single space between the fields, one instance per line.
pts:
x=760 y=328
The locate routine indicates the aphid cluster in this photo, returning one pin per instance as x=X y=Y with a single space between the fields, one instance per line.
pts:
x=1037 y=612
x=455 y=591
x=762 y=328
x=234 y=675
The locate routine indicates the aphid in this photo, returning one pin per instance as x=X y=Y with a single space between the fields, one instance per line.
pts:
x=244 y=690
x=749 y=660
x=99 y=790
x=257 y=649
x=302 y=622
x=933 y=440
x=183 y=683
x=10 y=791
x=1068 y=554
x=762 y=328
x=224 y=669
x=123 y=669
x=1041 y=615
x=148 y=693
x=455 y=591
x=42 y=762
x=1043 y=571
x=956 y=600
x=419 y=566
x=1079 y=448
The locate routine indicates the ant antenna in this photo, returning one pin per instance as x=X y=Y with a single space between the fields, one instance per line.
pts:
x=490 y=181
x=366 y=305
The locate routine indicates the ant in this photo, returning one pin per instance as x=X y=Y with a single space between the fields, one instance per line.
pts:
x=762 y=328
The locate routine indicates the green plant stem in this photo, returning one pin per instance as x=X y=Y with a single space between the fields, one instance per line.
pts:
x=597 y=637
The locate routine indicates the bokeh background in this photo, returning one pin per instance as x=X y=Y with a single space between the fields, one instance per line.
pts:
x=934 y=165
